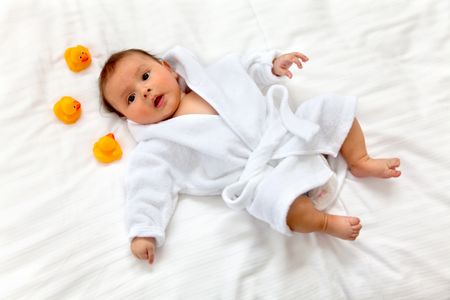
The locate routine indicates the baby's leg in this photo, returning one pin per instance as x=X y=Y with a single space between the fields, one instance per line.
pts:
x=360 y=163
x=305 y=218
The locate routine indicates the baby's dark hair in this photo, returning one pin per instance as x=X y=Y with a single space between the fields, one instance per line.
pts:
x=108 y=69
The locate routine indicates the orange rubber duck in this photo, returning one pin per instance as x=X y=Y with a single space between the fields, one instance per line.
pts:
x=67 y=109
x=107 y=149
x=77 y=58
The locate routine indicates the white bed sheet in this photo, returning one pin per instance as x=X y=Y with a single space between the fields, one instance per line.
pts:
x=61 y=213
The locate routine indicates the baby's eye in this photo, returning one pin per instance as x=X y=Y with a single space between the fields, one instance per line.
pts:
x=145 y=76
x=131 y=99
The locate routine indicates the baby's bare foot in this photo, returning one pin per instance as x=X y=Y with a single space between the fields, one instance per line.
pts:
x=346 y=228
x=382 y=168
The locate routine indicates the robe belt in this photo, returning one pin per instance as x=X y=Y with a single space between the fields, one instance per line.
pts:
x=281 y=120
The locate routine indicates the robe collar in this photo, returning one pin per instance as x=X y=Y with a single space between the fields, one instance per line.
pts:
x=194 y=75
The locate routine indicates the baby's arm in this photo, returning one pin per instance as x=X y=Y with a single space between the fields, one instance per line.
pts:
x=266 y=68
x=282 y=63
x=144 y=248
x=151 y=198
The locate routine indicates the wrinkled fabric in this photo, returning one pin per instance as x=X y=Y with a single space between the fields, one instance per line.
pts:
x=256 y=152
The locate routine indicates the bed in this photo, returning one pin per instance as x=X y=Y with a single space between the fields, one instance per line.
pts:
x=62 y=234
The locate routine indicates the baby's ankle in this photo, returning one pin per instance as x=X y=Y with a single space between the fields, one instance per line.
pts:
x=324 y=223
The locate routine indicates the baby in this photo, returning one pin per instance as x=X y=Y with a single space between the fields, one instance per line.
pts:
x=212 y=130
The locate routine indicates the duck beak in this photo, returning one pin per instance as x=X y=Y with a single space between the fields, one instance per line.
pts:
x=111 y=135
x=84 y=58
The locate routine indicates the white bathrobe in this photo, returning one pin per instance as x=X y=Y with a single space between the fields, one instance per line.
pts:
x=256 y=153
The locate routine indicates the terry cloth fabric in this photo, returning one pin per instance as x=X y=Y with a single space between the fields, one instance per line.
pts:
x=257 y=153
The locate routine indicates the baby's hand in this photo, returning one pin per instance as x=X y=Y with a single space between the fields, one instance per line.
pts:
x=144 y=248
x=282 y=63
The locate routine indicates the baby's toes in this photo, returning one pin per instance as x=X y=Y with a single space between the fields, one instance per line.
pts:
x=354 y=221
x=391 y=173
x=397 y=173
x=357 y=228
x=393 y=163
x=354 y=236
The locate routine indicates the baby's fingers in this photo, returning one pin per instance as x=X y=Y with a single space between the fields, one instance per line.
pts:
x=287 y=73
x=142 y=255
x=296 y=61
x=284 y=62
x=302 y=56
x=151 y=256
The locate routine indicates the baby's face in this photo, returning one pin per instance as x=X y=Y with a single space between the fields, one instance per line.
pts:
x=143 y=90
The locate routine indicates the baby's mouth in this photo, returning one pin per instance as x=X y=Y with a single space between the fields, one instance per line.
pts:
x=158 y=101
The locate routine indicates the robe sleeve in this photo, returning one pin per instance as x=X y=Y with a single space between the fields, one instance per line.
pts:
x=259 y=67
x=151 y=195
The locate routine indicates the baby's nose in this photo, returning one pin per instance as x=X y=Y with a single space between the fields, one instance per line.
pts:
x=146 y=92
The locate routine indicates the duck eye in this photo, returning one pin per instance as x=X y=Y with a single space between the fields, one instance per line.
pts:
x=131 y=98
x=145 y=76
